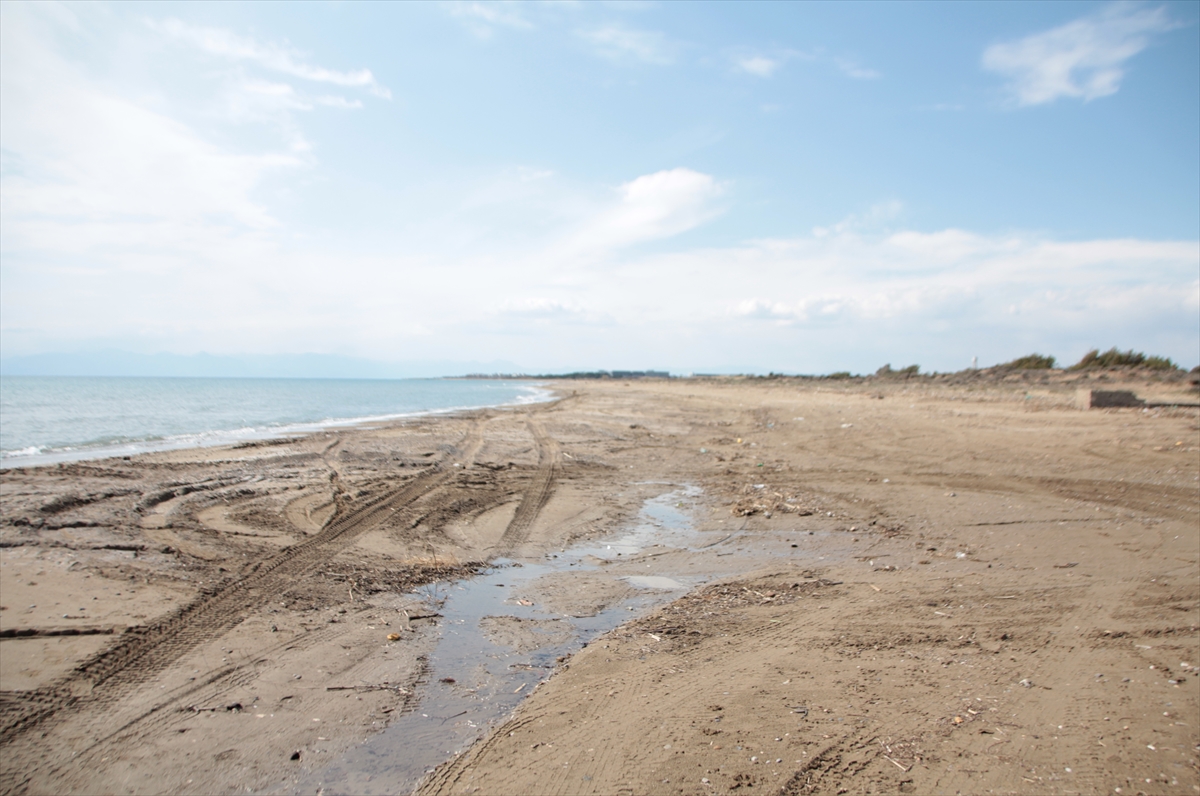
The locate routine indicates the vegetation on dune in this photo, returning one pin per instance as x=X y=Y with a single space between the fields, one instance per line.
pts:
x=911 y=370
x=1094 y=359
x=1112 y=358
x=1031 y=362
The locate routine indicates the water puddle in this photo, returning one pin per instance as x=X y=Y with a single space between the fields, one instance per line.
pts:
x=496 y=645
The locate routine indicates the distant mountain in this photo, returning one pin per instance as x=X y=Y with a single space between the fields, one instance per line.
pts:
x=313 y=366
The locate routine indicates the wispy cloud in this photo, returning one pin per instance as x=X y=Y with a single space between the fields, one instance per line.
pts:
x=621 y=43
x=285 y=96
x=767 y=65
x=267 y=82
x=276 y=57
x=759 y=65
x=484 y=18
x=852 y=69
x=876 y=217
x=1084 y=59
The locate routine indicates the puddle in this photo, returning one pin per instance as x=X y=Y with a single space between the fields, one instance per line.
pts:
x=493 y=650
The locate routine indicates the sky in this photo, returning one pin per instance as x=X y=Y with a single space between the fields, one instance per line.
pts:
x=799 y=188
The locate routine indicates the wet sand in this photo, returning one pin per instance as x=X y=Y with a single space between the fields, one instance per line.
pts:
x=892 y=586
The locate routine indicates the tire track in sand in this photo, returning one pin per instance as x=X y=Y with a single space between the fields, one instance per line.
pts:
x=143 y=652
x=71 y=776
x=538 y=493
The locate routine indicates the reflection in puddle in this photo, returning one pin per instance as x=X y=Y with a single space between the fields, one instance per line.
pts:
x=496 y=647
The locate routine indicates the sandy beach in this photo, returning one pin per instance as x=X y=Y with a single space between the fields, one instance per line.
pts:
x=931 y=585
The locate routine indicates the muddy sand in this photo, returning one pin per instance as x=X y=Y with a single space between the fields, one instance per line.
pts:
x=885 y=586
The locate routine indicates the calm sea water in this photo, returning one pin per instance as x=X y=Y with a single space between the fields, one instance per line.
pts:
x=46 y=419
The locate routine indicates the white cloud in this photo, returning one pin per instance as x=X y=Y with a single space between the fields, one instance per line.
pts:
x=278 y=58
x=759 y=65
x=851 y=300
x=333 y=101
x=971 y=278
x=764 y=309
x=537 y=315
x=540 y=308
x=87 y=154
x=122 y=221
x=1083 y=59
x=622 y=44
x=90 y=171
x=651 y=207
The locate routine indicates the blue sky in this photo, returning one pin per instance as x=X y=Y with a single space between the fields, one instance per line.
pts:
x=793 y=187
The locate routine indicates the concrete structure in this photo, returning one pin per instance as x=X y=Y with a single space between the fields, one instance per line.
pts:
x=1103 y=399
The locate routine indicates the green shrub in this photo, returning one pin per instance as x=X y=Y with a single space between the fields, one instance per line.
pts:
x=1112 y=358
x=1159 y=363
x=911 y=370
x=841 y=374
x=1031 y=362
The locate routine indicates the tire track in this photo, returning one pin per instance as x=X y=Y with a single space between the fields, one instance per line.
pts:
x=143 y=652
x=447 y=777
x=167 y=712
x=840 y=759
x=538 y=493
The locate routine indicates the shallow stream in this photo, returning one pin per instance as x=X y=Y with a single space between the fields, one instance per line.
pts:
x=475 y=681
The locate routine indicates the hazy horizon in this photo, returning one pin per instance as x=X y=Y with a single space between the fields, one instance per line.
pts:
x=328 y=366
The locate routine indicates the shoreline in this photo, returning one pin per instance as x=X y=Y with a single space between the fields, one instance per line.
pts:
x=901 y=553
x=45 y=456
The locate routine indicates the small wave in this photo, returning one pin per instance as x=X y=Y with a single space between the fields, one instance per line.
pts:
x=32 y=450
x=536 y=395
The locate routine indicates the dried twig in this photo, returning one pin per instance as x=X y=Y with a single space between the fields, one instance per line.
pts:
x=385 y=687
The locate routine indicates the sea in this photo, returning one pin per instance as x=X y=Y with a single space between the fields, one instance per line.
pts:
x=49 y=419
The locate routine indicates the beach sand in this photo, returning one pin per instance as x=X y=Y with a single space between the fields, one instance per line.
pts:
x=928 y=586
